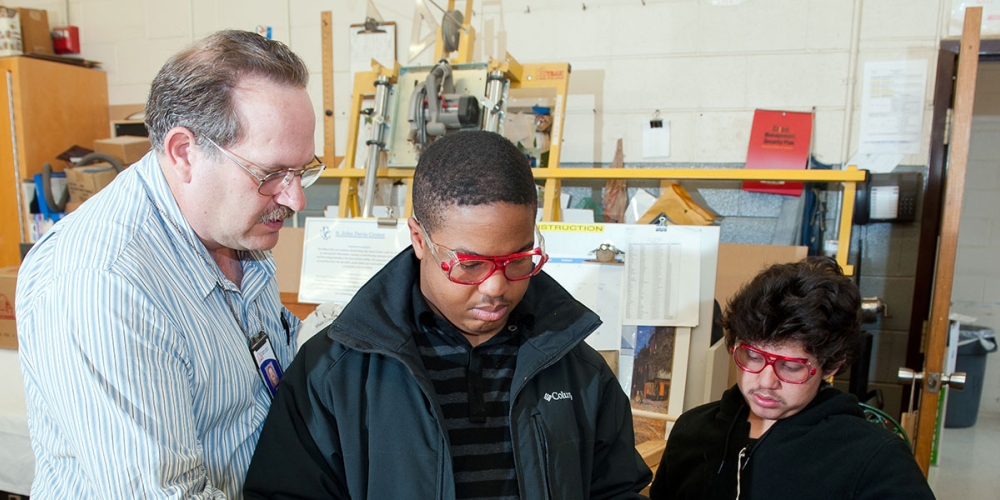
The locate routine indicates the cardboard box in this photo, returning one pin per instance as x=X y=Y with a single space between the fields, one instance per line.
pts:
x=71 y=206
x=288 y=258
x=10 y=32
x=35 y=34
x=8 y=327
x=738 y=264
x=128 y=149
x=84 y=182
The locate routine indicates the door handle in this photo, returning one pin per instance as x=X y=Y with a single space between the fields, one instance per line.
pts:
x=934 y=381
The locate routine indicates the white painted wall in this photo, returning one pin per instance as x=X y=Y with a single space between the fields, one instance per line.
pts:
x=976 y=288
x=704 y=66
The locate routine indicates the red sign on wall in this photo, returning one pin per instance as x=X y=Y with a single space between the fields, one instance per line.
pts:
x=779 y=140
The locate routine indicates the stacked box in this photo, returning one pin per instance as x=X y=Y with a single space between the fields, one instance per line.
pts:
x=128 y=149
x=84 y=182
x=8 y=327
x=35 y=35
x=10 y=32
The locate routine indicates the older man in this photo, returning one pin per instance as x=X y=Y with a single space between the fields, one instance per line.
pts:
x=148 y=318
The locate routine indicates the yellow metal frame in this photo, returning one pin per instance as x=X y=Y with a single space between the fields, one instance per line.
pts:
x=553 y=76
x=349 y=201
x=556 y=76
x=554 y=177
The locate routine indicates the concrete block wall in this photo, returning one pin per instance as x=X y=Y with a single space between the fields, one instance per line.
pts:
x=703 y=64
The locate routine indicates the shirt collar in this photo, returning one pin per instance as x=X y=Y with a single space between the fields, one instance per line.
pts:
x=195 y=261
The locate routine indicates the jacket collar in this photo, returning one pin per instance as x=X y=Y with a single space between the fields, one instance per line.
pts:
x=381 y=316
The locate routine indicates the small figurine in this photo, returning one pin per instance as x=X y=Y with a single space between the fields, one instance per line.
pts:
x=607 y=252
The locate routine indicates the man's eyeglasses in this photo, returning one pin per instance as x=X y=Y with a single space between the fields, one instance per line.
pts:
x=276 y=182
x=466 y=269
x=790 y=370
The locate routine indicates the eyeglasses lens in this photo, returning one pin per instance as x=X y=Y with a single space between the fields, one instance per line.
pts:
x=475 y=271
x=277 y=182
x=311 y=173
x=790 y=371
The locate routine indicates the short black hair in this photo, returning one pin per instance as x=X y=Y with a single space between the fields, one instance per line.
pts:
x=470 y=168
x=810 y=301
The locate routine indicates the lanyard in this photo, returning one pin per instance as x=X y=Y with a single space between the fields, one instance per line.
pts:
x=259 y=344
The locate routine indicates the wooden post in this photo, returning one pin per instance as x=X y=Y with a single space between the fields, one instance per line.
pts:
x=958 y=155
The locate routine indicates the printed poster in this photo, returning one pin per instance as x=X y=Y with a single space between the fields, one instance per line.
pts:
x=779 y=140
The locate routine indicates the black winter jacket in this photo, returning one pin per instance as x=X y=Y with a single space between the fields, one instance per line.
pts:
x=826 y=451
x=356 y=416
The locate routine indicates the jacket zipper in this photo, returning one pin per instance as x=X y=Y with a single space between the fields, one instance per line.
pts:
x=543 y=454
x=510 y=414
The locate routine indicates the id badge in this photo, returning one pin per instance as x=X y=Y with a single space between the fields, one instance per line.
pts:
x=267 y=362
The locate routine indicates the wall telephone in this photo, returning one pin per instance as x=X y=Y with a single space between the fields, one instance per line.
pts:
x=888 y=198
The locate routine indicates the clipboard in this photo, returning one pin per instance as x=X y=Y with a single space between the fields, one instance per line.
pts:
x=369 y=42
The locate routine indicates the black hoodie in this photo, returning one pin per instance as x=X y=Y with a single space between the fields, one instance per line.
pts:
x=826 y=451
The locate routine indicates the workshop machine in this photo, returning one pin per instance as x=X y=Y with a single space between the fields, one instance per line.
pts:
x=410 y=107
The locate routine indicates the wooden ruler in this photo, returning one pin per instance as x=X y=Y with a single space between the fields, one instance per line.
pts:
x=328 y=118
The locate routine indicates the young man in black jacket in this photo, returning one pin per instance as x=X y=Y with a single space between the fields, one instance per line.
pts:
x=783 y=431
x=459 y=370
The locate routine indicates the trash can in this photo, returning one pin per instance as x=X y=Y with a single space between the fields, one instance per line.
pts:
x=974 y=343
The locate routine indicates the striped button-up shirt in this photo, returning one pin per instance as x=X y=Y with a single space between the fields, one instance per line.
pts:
x=138 y=378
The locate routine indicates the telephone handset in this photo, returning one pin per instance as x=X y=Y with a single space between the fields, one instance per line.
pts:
x=888 y=198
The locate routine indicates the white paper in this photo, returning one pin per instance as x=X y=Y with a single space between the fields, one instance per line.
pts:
x=892 y=107
x=876 y=163
x=340 y=255
x=655 y=141
x=598 y=286
x=365 y=46
x=638 y=205
x=626 y=357
x=661 y=277
x=679 y=282
x=578 y=215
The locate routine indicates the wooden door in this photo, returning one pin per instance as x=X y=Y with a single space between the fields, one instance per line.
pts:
x=958 y=152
